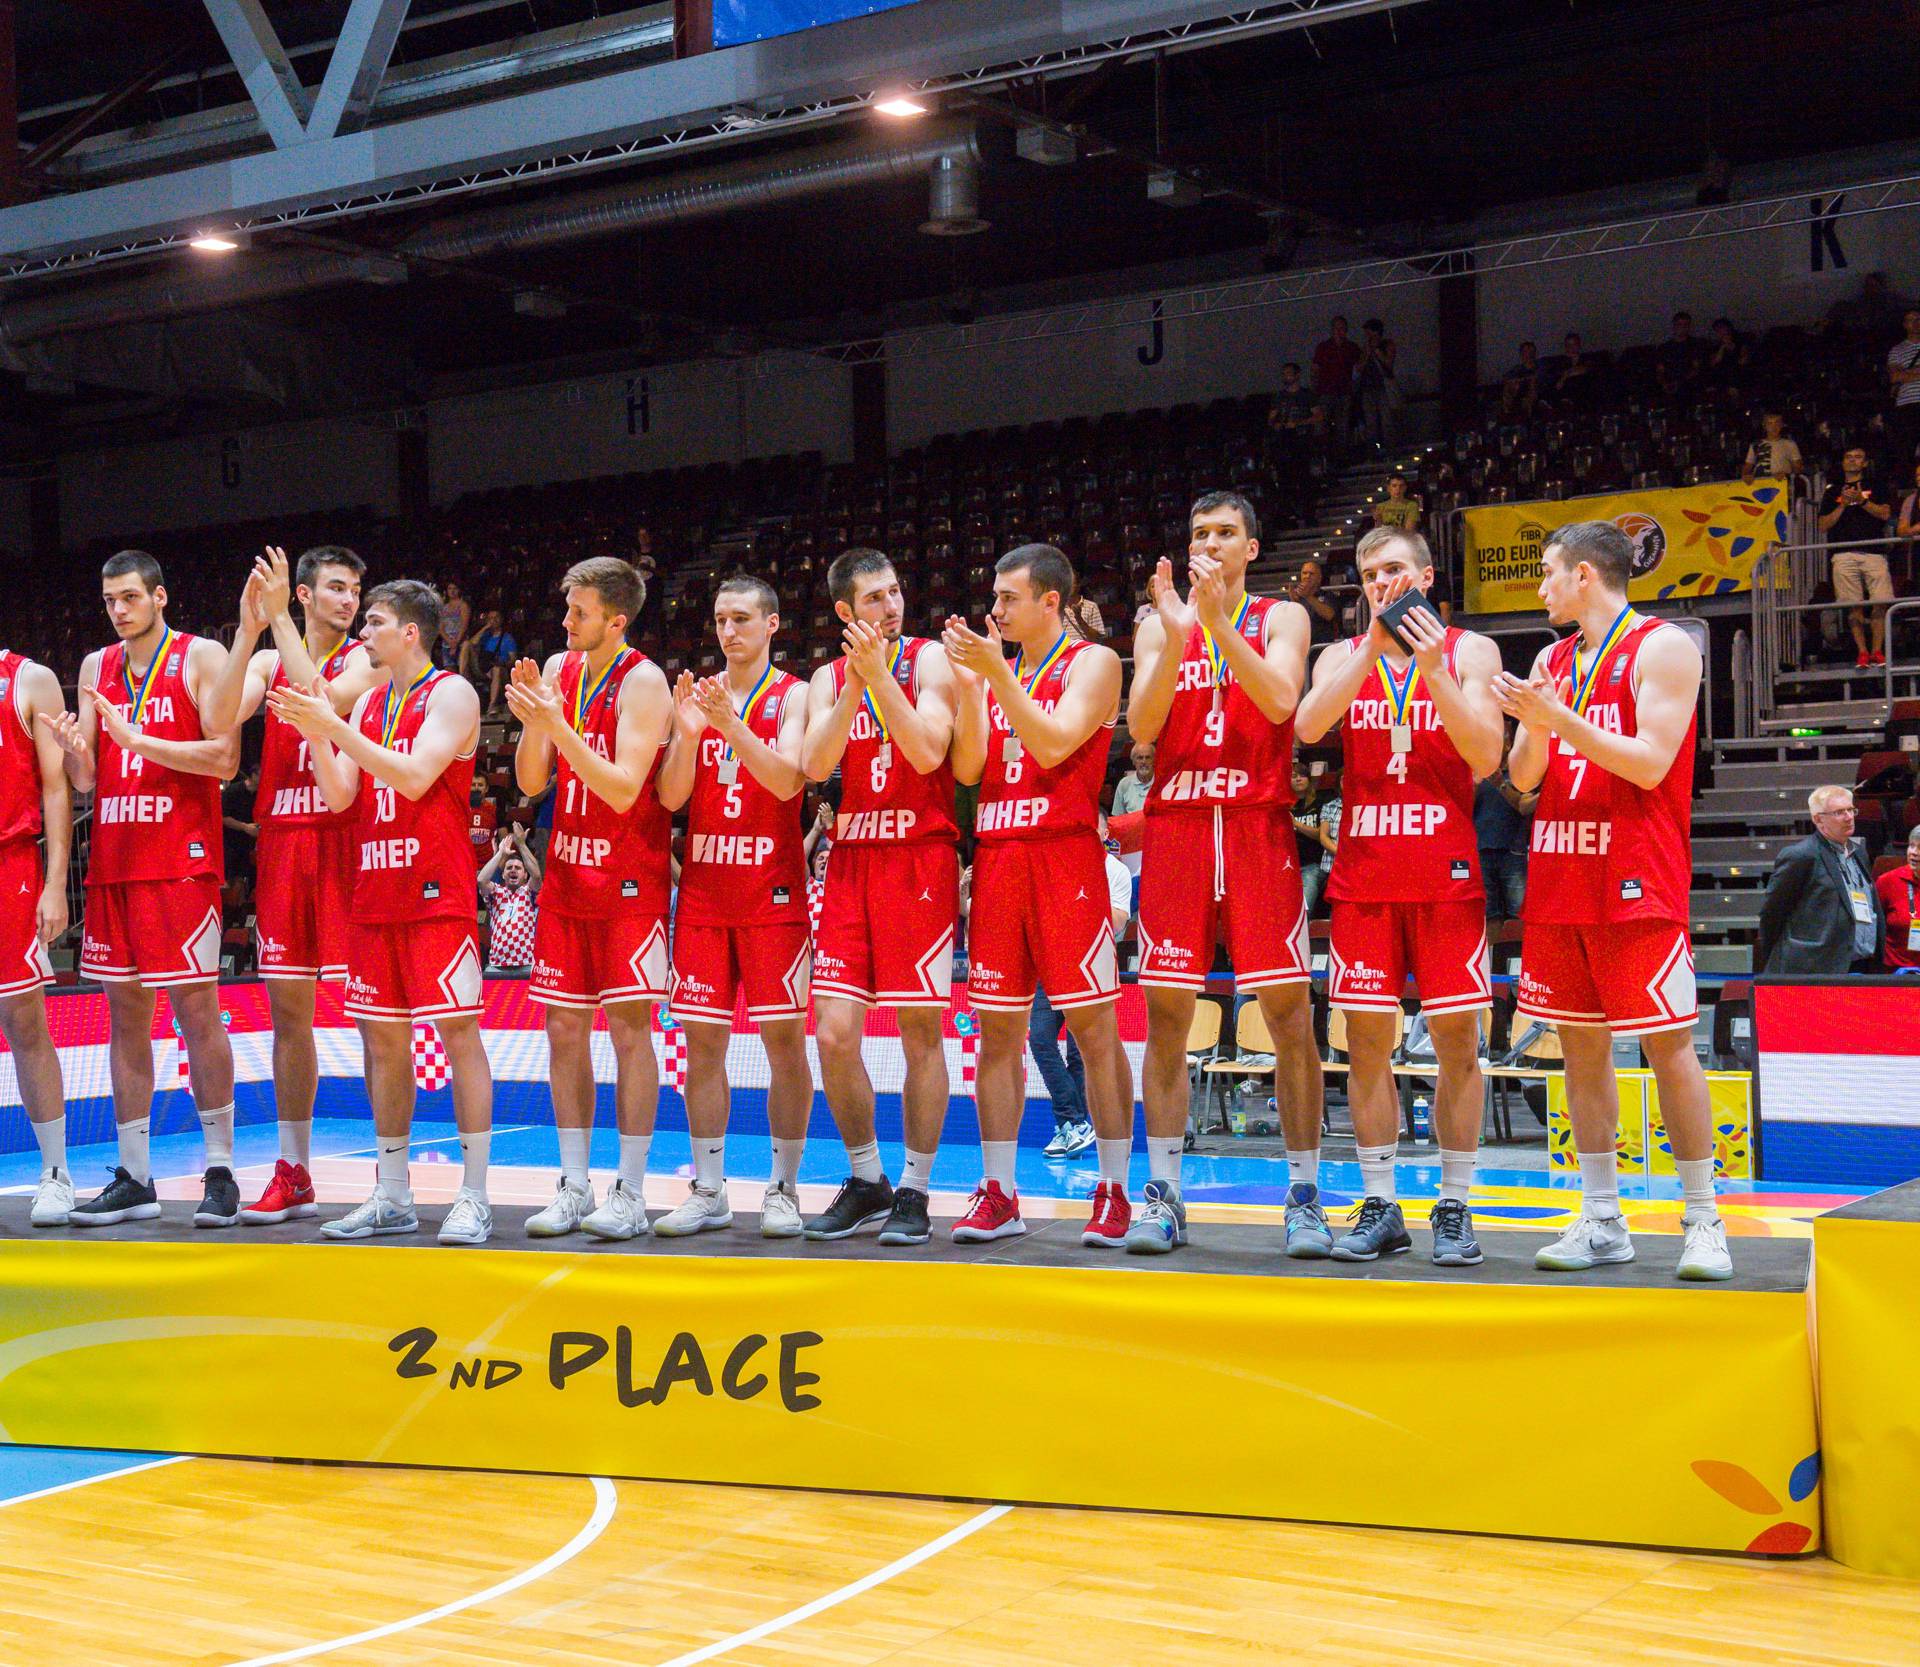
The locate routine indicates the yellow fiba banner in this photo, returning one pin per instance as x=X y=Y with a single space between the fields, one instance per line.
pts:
x=1689 y=541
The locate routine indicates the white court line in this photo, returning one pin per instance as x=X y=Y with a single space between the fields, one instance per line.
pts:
x=807 y=1611
x=88 y=1481
x=604 y=1501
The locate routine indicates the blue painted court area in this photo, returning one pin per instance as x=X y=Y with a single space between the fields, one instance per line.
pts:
x=30 y=1472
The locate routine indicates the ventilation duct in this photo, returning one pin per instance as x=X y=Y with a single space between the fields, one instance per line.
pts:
x=953 y=197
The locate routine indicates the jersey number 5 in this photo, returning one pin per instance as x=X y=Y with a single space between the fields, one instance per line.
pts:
x=732 y=805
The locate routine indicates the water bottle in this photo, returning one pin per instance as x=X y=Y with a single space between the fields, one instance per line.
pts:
x=1421 y=1122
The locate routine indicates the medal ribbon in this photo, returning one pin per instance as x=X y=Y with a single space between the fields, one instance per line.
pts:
x=1216 y=656
x=326 y=659
x=583 y=709
x=1398 y=694
x=754 y=696
x=866 y=695
x=394 y=710
x=1583 y=682
x=1041 y=670
x=139 y=700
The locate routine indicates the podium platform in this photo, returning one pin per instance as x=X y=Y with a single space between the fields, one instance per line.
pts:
x=1617 y=1406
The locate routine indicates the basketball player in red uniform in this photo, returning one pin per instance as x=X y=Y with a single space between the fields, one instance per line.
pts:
x=882 y=714
x=304 y=863
x=741 y=923
x=598 y=716
x=1034 y=732
x=153 y=876
x=35 y=801
x=1416 y=728
x=1216 y=677
x=1607 y=734
x=412 y=949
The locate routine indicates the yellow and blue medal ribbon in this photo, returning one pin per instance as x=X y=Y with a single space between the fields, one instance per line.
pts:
x=1216 y=655
x=873 y=708
x=583 y=708
x=138 y=699
x=1583 y=682
x=394 y=710
x=754 y=696
x=1041 y=670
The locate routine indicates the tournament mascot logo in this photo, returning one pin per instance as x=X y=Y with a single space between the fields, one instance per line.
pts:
x=1649 y=540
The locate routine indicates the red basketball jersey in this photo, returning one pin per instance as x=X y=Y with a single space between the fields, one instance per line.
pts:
x=884 y=800
x=1217 y=748
x=1018 y=799
x=416 y=861
x=150 y=822
x=602 y=862
x=1604 y=850
x=1406 y=818
x=289 y=795
x=745 y=865
x=19 y=762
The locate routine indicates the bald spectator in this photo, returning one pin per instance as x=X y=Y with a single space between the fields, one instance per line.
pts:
x=1821 y=914
x=1323 y=618
x=1130 y=793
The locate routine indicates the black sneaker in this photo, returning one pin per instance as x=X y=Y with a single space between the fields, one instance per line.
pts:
x=124 y=1199
x=858 y=1204
x=1376 y=1228
x=1454 y=1245
x=220 y=1207
x=908 y=1223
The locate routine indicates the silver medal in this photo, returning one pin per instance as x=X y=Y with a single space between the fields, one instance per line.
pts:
x=1010 y=750
x=1400 y=737
x=883 y=755
x=729 y=771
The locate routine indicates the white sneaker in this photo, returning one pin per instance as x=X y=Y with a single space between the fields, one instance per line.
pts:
x=570 y=1207
x=623 y=1216
x=52 y=1199
x=469 y=1221
x=780 y=1212
x=380 y=1215
x=1703 y=1253
x=700 y=1212
x=1589 y=1243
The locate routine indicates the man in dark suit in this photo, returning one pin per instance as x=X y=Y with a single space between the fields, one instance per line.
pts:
x=1822 y=914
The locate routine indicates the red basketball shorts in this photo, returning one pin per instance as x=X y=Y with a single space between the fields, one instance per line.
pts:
x=416 y=969
x=712 y=965
x=302 y=895
x=23 y=958
x=886 y=925
x=1040 y=919
x=152 y=932
x=1211 y=874
x=1373 y=948
x=593 y=963
x=1635 y=976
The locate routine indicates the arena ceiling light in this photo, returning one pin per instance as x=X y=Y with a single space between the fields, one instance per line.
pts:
x=901 y=106
x=218 y=243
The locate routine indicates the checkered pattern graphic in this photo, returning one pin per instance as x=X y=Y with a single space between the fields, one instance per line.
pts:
x=510 y=917
x=816 y=897
x=673 y=1050
x=431 y=1067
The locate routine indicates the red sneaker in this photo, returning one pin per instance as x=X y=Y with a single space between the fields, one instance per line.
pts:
x=289 y=1196
x=991 y=1214
x=1876 y=658
x=1112 y=1216
x=1862 y=660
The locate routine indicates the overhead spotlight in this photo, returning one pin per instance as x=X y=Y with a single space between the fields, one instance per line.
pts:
x=218 y=243
x=901 y=105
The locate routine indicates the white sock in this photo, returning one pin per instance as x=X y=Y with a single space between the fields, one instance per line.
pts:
x=52 y=1136
x=1376 y=1170
x=1456 y=1174
x=1303 y=1168
x=918 y=1171
x=1163 y=1157
x=296 y=1141
x=216 y=1128
x=865 y=1161
x=996 y=1162
x=1113 y=1160
x=574 y=1146
x=633 y=1160
x=1696 y=1183
x=391 y=1166
x=786 y=1160
x=1600 y=1183
x=474 y=1151
x=132 y=1139
x=710 y=1163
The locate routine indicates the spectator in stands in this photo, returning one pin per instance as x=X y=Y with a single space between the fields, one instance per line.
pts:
x=1397 y=509
x=1728 y=356
x=1377 y=385
x=488 y=656
x=1296 y=427
x=1326 y=832
x=1774 y=454
x=1571 y=386
x=1853 y=512
x=1083 y=620
x=1679 y=360
x=239 y=833
x=1903 y=372
x=1821 y=913
x=1306 y=830
x=1323 y=618
x=1130 y=792
x=1334 y=362
x=1502 y=828
x=1898 y=888
x=1868 y=318
x=510 y=902
x=455 y=616
x=1520 y=388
